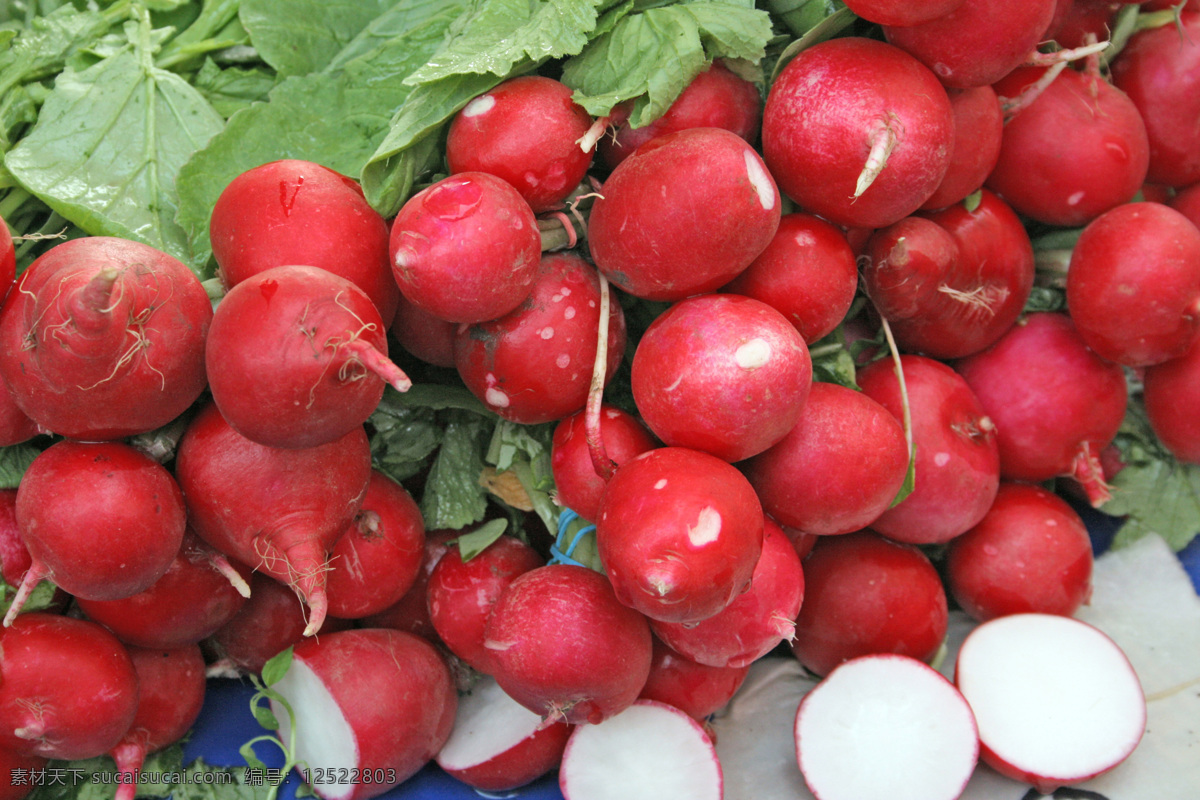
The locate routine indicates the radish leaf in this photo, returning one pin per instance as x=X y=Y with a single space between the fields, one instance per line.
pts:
x=297 y=37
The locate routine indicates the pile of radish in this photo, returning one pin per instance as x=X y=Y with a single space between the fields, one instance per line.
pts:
x=829 y=346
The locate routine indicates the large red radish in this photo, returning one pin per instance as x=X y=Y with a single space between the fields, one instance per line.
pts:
x=647 y=752
x=694 y=688
x=1170 y=391
x=914 y=728
x=577 y=483
x=1056 y=700
x=68 y=689
x=278 y=511
x=978 y=125
x=368 y=734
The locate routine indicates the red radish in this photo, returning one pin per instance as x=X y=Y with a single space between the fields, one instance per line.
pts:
x=1187 y=202
x=535 y=364
x=8 y=260
x=564 y=647
x=756 y=621
x=297 y=357
x=864 y=594
x=389 y=721
x=722 y=373
x=411 y=612
x=683 y=215
x=297 y=212
x=189 y=603
x=576 y=482
x=694 y=688
x=497 y=744
x=679 y=533
x=802 y=542
x=716 y=98
x=527 y=131
x=857 y=131
x=807 y=273
x=14 y=555
x=1169 y=393
x=895 y=713
x=1055 y=403
x=15 y=425
x=1056 y=700
x=978 y=125
x=649 y=751
x=1030 y=553
x=103 y=338
x=171 y=688
x=469 y=212
x=1133 y=285
x=21 y=770
x=977 y=43
x=1086 y=21
x=119 y=533
x=379 y=556
x=279 y=511
x=1159 y=69
x=68 y=689
x=956 y=465
x=838 y=469
x=462 y=594
x=1069 y=181
x=423 y=335
x=892 y=12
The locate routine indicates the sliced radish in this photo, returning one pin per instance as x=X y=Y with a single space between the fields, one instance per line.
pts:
x=649 y=751
x=497 y=744
x=1056 y=699
x=885 y=726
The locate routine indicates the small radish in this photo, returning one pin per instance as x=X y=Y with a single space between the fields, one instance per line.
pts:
x=564 y=647
x=978 y=126
x=68 y=689
x=900 y=716
x=103 y=338
x=278 y=511
x=647 y=752
x=14 y=765
x=292 y=211
x=897 y=12
x=1170 y=391
x=8 y=260
x=497 y=744
x=1056 y=700
x=411 y=612
x=857 y=131
x=1086 y=21
x=577 y=484
x=694 y=688
x=423 y=335
x=1186 y=202
x=15 y=425
x=527 y=131
x=389 y=721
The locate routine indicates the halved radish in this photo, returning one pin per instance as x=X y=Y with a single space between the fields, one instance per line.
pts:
x=649 y=751
x=497 y=744
x=885 y=726
x=1057 y=701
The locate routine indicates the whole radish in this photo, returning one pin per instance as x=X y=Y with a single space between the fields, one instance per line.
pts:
x=8 y=260
x=15 y=425
x=171 y=687
x=577 y=484
x=120 y=531
x=684 y=214
x=278 y=511
x=103 y=338
x=411 y=612
x=293 y=211
x=68 y=688
x=1169 y=391
x=895 y=12
x=15 y=764
x=423 y=335
x=694 y=688
x=527 y=131
x=1187 y=202
x=857 y=131
x=978 y=128
x=722 y=373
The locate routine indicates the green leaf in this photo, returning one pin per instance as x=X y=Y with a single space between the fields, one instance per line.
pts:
x=1160 y=496
x=14 y=460
x=473 y=543
x=297 y=37
x=453 y=497
x=43 y=596
x=276 y=667
x=50 y=41
x=231 y=89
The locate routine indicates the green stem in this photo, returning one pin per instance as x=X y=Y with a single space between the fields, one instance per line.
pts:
x=542 y=504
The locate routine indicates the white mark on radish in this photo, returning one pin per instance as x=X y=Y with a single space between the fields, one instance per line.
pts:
x=1074 y=199
x=569 y=313
x=562 y=361
x=661 y=483
x=753 y=354
x=480 y=105
x=674 y=385
x=760 y=180
x=707 y=527
x=496 y=398
x=941 y=459
x=546 y=333
x=943 y=70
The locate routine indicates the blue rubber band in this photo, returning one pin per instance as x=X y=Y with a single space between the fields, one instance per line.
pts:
x=557 y=555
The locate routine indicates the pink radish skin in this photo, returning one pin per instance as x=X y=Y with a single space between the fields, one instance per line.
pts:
x=14 y=555
x=694 y=688
x=576 y=482
x=656 y=233
x=891 y=12
x=1133 y=285
x=171 y=686
x=857 y=131
x=411 y=612
x=469 y=212
x=10 y=764
x=1030 y=553
x=807 y=273
x=189 y=603
x=379 y=556
x=679 y=533
x=103 y=338
x=296 y=212
x=756 y=621
x=527 y=131
x=565 y=647
x=297 y=357
x=838 y=469
x=392 y=719
x=1055 y=403
x=306 y=499
x=1186 y=202
x=978 y=125
x=863 y=595
x=68 y=689
x=1169 y=392
x=722 y=373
